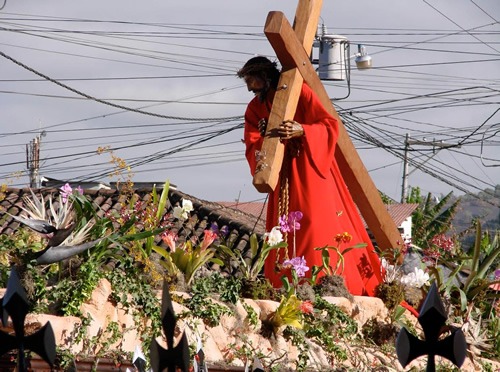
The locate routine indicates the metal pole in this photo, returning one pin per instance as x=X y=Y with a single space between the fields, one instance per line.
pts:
x=404 y=187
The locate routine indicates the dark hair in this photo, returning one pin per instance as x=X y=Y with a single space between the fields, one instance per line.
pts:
x=262 y=67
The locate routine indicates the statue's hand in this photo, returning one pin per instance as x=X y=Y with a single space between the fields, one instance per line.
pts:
x=290 y=129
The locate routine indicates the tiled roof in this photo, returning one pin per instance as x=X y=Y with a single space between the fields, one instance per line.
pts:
x=257 y=209
x=240 y=224
x=398 y=212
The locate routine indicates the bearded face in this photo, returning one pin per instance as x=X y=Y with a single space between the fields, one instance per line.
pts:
x=258 y=86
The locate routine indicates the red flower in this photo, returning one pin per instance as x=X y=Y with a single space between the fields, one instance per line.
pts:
x=343 y=238
x=307 y=307
x=346 y=237
x=169 y=238
x=208 y=239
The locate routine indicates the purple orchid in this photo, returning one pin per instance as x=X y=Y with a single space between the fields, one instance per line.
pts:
x=298 y=264
x=291 y=222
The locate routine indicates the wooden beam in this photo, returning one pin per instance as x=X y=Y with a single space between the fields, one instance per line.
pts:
x=361 y=187
x=272 y=151
x=305 y=23
x=285 y=100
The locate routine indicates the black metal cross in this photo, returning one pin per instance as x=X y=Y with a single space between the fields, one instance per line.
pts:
x=432 y=318
x=173 y=357
x=15 y=304
x=199 y=359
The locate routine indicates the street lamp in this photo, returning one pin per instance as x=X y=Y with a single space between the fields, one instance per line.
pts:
x=363 y=60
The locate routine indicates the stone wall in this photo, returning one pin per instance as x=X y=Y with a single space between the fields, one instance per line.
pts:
x=233 y=332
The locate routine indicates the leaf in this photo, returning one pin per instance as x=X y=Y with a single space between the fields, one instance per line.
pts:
x=217 y=261
x=488 y=262
x=477 y=248
x=163 y=200
x=143 y=234
x=254 y=245
x=398 y=312
x=161 y=251
x=325 y=256
x=463 y=300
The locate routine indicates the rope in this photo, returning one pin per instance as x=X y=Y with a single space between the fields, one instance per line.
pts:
x=284 y=197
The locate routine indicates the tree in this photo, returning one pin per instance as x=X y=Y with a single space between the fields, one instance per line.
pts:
x=431 y=218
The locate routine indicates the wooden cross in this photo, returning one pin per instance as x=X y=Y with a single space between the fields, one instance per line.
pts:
x=292 y=47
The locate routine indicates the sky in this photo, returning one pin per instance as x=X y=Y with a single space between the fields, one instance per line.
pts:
x=148 y=90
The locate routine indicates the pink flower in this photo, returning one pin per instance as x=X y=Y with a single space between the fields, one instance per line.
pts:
x=66 y=191
x=169 y=238
x=208 y=239
x=79 y=190
x=443 y=242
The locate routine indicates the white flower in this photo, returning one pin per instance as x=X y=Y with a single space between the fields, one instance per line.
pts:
x=182 y=213
x=417 y=278
x=275 y=236
x=187 y=205
x=391 y=271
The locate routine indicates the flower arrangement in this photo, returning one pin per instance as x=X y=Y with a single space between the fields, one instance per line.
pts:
x=291 y=309
x=139 y=228
x=186 y=258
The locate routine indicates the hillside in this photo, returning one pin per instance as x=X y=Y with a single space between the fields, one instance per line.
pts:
x=485 y=205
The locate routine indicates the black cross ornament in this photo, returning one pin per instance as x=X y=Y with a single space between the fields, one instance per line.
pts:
x=199 y=359
x=257 y=365
x=432 y=318
x=139 y=360
x=42 y=342
x=173 y=357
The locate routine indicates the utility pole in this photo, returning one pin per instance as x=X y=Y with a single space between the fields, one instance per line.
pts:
x=404 y=187
x=33 y=160
x=436 y=146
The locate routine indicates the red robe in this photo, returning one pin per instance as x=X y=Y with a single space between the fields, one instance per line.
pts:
x=317 y=189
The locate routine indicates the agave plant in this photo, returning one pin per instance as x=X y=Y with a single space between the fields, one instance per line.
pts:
x=65 y=224
x=476 y=268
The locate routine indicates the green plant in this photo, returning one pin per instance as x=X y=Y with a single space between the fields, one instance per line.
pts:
x=298 y=340
x=430 y=218
x=327 y=326
x=325 y=255
x=288 y=313
x=380 y=333
x=478 y=266
x=245 y=350
x=133 y=292
x=250 y=268
x=187 y=258
x=252 y=316
x=202 y=306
